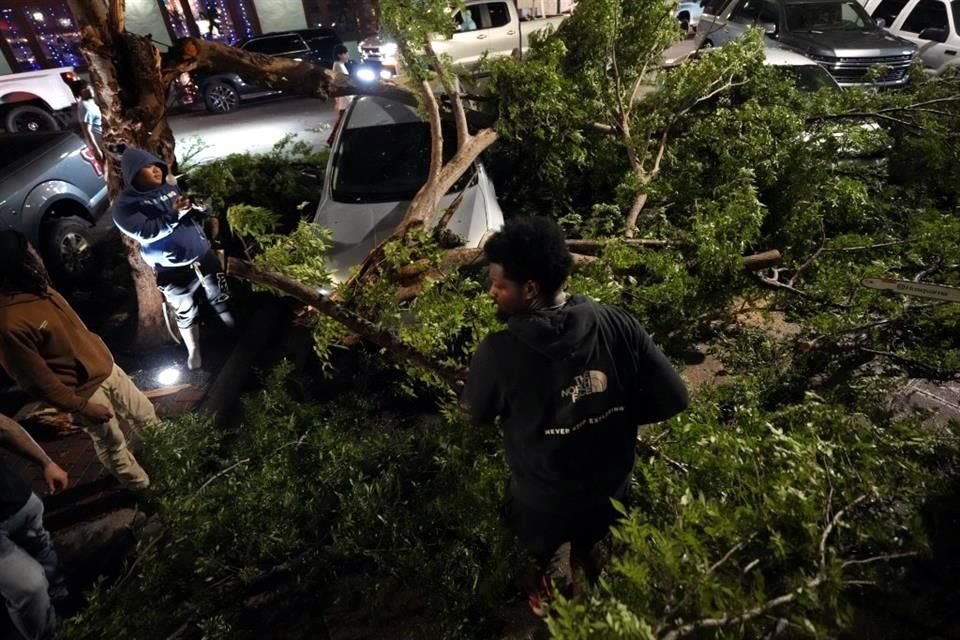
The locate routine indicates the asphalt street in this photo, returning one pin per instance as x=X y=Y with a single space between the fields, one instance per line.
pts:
x=254 y=127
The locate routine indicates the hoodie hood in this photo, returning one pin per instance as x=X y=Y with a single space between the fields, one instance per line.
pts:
x=133 y=160
x=567 y=333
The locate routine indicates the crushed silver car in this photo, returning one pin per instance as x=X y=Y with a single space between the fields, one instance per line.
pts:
x=379 y=160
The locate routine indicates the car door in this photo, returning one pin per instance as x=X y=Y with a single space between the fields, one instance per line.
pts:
x=928 y=24
x=745 y=14
x=711 y=21
x=493 y=35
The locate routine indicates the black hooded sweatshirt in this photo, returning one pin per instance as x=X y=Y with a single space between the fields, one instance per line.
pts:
x=571 y=385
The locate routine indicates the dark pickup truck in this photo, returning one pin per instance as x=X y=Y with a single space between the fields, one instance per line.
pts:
x=837 y=34
x=52 y=190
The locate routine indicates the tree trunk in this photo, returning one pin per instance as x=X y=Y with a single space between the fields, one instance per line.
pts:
x=125 y=74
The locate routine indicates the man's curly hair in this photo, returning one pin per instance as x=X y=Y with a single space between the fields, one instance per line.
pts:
x=532 y=248
x=20 y=271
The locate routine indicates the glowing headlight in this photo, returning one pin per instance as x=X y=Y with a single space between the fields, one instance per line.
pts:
x=388 y=50
x=169 y=376
x=385 y=74
x=366 y=75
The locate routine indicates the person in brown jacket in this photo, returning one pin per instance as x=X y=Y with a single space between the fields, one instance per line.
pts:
x=50 y=353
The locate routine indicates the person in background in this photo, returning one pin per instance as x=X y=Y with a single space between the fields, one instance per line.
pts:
x=30 y=574
x=50 y=354
x=169 y=229
x=91 y=121
x=570 y=381
x=340 y=103
x=466 y=21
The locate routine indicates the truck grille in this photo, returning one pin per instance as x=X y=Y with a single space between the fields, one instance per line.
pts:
x=848 y=71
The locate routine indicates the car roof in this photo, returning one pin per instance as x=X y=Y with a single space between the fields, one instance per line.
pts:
x=377 y=111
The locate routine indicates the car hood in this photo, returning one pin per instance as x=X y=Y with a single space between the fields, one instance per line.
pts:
x=848 y=44
x=358 y=228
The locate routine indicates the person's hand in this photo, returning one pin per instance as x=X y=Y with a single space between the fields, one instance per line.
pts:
x=96 y=413
x=182 y=203
x=55 y=477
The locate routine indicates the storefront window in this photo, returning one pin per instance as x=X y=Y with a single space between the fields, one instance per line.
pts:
x=56 y=33
x=16 y=38
x=227 y=21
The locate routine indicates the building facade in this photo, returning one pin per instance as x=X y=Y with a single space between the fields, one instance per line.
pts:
x=42 y=34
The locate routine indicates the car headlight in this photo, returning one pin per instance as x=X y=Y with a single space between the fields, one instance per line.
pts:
x=388 y=50
x=385 y=74
x=366 y=74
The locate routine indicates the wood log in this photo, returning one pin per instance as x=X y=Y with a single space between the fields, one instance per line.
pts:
x=762 y=260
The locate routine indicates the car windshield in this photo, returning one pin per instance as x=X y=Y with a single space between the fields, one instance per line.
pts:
x=387 y=163
x=808 y=77
x=827 y=16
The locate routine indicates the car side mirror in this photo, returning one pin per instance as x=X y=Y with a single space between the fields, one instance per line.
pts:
x=880 y=22
x=769 y=28
x=934 y=34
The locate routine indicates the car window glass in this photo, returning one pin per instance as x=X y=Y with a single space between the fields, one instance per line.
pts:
x=888 y=10
x=826 y=16
x=469 y=21
x=499 y=15
x=387 y=163
x=747 y=11
x=275 y=45
x=927 y=14
x=714 y=7
x=769 y=12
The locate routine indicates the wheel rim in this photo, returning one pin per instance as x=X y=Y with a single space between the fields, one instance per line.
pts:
x=223 y=98
x=29 y=122
x=74 y=253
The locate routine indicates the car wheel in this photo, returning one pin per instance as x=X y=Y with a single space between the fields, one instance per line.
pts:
x=29 y=119
x=68 y=249
x=684 y=19
x=220 y=97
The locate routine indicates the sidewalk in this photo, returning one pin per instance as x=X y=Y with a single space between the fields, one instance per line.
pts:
x=92 y=490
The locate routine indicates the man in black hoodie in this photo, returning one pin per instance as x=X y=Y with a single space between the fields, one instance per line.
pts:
x=570 y=381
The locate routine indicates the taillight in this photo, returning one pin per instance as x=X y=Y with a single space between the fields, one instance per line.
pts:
x=69 y=76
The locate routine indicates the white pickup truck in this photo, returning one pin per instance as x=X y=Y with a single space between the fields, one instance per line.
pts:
x=490 y=28
x=36 y=100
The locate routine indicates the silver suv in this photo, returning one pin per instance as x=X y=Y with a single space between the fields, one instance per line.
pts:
x=838 y=34
x=52 y=190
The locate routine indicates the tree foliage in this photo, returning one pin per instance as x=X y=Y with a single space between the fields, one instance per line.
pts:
x=787 y=498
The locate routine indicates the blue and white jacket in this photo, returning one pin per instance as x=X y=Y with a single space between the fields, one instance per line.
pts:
x=151 y=217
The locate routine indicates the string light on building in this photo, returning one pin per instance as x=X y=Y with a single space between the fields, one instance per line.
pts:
x=22 y=53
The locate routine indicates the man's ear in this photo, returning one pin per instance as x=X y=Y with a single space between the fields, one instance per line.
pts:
x=531 y=290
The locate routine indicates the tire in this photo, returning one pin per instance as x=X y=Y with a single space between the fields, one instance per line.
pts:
x=68 y=249
x=684 y=19
x=29 y=118
x=220 y=97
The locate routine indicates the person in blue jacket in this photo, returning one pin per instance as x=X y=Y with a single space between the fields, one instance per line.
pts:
x=169 y=229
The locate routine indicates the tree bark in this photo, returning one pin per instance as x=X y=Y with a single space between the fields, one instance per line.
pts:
x=125 y=74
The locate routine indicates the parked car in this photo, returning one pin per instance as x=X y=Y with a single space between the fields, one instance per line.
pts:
x=378 y=162
x=689 y=12
x=36 y=100
x=223 y=92
x=52 y=190
x=498 y=32
x=838 y=34
x=933 y=25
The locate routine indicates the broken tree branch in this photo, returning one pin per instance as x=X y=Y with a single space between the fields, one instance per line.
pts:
x=453 y=376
